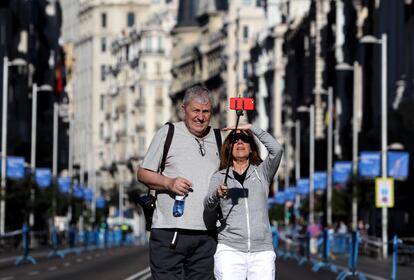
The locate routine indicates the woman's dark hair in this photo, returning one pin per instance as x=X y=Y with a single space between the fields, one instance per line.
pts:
x=254 y=156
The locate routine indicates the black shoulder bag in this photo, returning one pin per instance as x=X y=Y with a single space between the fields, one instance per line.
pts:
x=147 y=201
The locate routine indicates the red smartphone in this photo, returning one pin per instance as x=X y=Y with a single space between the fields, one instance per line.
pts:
x=238 y=103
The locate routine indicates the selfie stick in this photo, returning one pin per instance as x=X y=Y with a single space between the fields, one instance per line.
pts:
x=239 y=114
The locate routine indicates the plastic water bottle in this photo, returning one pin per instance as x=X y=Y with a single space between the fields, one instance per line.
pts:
x=178 y=209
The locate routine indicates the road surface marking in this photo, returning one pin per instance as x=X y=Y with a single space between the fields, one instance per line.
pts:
x=34 y=272
x=368 y=275
x=7 y=278
x=140 y=274
x=52 y=268
x=66 y=264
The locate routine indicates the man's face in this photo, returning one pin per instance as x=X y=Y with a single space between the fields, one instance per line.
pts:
x=197 y=117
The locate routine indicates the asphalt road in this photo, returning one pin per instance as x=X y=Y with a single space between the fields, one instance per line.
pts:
x=131 y=263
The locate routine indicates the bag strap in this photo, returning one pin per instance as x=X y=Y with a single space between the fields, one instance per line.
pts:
x=217 y=134
x=167 y=145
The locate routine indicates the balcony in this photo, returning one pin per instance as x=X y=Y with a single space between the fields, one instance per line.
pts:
x=140 y=127
x=139 y=103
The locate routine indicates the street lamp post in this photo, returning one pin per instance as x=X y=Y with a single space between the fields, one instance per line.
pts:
x=6 y=65
x=35 y=90
x=297 y=166
x=311 y=111
x=55 y=155
x=329 y=161
x=383 y=42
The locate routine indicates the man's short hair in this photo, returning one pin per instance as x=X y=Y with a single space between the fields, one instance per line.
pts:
x=202 y=94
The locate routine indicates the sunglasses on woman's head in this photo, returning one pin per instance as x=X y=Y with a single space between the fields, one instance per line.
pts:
x=241 y=136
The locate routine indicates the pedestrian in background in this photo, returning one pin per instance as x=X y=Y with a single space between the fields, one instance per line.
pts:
x=245 y=247
x=183 y=244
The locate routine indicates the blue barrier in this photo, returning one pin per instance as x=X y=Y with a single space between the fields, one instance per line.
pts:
x=26 y=247
x=305 y=249
x=353 y=260
x=55 y=245
x=326 y=262
x=340 y=243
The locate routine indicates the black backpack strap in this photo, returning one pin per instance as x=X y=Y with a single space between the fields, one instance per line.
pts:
x=217 y=134
x=167 y=145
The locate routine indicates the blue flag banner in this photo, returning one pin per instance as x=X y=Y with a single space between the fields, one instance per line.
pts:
x=341 y=172
x=369 y=164
x=15 y=168
x=320 y=179
x=302 y=186
x=398 y=163
x=100 y=202
x=280 y=198
x=290 y=194
x=78 y=191
x=88 y=194
x=43 y=177
x=64 y=184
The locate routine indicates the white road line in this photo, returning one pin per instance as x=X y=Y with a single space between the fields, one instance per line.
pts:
x=7 y=278
x=34 y=272
x=88 y=257
x=79 y=260
x=52 y=268
x=140 y=274
x=66 y=264
x=368 y=275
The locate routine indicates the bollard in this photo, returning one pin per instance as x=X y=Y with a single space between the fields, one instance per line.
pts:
x=26 y=247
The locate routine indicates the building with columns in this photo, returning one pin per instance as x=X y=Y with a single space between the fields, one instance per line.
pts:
x=212 y=41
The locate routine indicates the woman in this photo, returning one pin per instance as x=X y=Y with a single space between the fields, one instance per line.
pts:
x=245 y=248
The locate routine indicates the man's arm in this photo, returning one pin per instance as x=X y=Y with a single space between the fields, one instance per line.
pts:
x=161 y=183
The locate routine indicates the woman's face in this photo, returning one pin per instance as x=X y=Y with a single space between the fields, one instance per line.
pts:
x=241 y=149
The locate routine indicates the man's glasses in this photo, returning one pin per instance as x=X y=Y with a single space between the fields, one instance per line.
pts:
x=201 y=148
x=241 y=136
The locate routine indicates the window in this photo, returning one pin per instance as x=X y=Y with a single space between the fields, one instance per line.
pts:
x=130 y=19
x=103 y=44
x=159 y=44
x=141 y=144
x=103 y=20
x=158 y=96
x=101 y=131
x=102 y=102
x=156 y=1
x=103 y=68
x=245 y=69
x=148 y=44
x=158 y=68
x=247 y=2
x=245 y=33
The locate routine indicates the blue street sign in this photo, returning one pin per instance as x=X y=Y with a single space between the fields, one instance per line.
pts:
x=280 y=198
x=15 y=167
x=290 y=194
x=320 y=178
x=64 y=184
x=43 y=177
x=100 y=202
x=398 y=165
x=88 y=194
x=78 y=191
x=302 y=186
x=369 y=164
x=341 y=172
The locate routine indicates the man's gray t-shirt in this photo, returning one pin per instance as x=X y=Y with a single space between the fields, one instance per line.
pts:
x=184 y=160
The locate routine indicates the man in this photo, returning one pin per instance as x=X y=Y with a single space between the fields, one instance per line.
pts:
x=185 y=243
